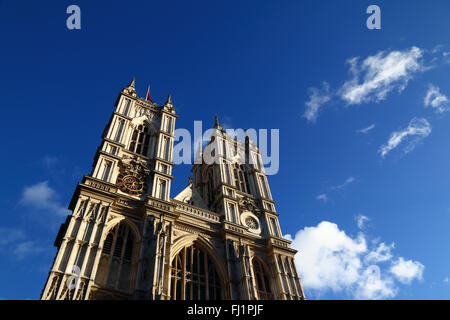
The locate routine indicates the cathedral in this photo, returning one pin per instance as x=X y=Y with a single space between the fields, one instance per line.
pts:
x=218 y=239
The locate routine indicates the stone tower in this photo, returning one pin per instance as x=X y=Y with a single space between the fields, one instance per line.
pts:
x=127 y=239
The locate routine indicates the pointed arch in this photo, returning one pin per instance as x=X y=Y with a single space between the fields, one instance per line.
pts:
x=263 y=279
x=141 y=139
x=197 y=272
x=118 y=260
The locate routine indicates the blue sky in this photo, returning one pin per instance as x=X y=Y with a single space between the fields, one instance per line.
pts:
x=375 y=154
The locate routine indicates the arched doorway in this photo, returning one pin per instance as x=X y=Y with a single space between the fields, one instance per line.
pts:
x=194 y=275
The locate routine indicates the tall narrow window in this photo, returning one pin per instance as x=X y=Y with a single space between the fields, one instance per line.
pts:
x=167 y=149
x=113 y=150
x=264 y=191
x=162 y=189
x=227 y=172
x=240 y=178
x=169 y=125
x=262 y=281
x=140 y=140
x=127 y=107
x=194 y=276
x=274 y=227
x=224 y=146
x=106 y=170
x=164 y=169
x=119 y=130
x=232 y=211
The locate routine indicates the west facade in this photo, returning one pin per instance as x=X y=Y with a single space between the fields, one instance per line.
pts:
x=127 y=239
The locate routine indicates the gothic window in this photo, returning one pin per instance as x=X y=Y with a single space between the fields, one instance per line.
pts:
x=260 y=165
x=224 y=146
x=162 y=189
x=113 y=150
x=194 y=276
x=169 y=125
x=240 y=180
x=232 y=211
x=106 y=170
x=227 y=172
x=289 y=275
x=119 y=130
x=116 y=269
x=140 y=140
x=164 y=169
x=274 y=227
x=127 y=107
x=165 y=148
x=264 y=191
x=262 y=281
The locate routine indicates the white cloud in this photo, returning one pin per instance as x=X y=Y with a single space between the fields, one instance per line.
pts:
x=381 y=253
x=435 y=99
x=331 y=260
x=367 y=129
x=26 y=248
x=418 y=129
x=380 y=74
x=13 y=243
x=49 y=161
x=9 y=235
x=406 y=271
x=41 y=196
x=345 y=184
x=317 y=98
x=372 y=286
x=361 y=220
x=328 y=258
x=323 y=197
x=446 y=280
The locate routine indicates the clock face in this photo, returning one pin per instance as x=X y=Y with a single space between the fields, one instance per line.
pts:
x=130 y=184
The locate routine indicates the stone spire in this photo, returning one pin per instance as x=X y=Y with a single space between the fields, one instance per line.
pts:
x=168 y=105
x=217 y=124
x=130 y=89
x=132 y=83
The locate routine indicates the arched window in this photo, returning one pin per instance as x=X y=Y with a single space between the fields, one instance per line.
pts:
x=194 y=276
x=262 y=281
x=240 y=178
x=140 y=140
x=116 y=269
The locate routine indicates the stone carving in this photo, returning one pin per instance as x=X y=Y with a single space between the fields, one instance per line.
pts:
x=247 y=204
x=134 y=165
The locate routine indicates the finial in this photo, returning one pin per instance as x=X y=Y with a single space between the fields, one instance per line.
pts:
x=190 y=180
x=169 y=99
x=216 y=123
x=132 y=83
